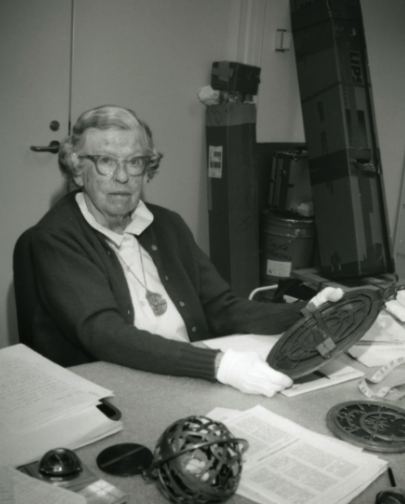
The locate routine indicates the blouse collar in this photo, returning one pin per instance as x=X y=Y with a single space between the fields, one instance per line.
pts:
x=141 y=218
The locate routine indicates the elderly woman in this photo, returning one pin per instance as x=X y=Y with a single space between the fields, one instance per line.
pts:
x=123 y=281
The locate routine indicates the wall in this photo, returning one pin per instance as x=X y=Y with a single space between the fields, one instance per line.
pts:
x=34 y=90
x=152 y=56
x=384 y=26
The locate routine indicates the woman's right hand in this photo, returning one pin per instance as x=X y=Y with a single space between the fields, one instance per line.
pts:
x=250 y=374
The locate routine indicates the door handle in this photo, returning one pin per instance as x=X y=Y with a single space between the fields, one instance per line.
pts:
x=52 y=147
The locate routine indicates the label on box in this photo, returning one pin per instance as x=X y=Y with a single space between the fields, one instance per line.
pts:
x=278 y=268
x=215 y=156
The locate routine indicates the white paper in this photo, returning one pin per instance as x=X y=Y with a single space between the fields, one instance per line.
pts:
x=50 y=408
x=244 y=343
x=225 y=414
x=18 y=488
x=330 y=374
x=377 y=355
x=385 y=329
x=288 y=464
x=382 y=343
x=34 y=389
x=72 y=431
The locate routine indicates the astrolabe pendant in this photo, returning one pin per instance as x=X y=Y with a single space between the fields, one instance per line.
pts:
x=157 y=302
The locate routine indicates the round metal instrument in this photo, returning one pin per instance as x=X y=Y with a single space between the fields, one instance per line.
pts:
x=325 y=333
x=373 y=425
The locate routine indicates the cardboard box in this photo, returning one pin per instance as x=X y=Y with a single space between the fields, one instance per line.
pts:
x=341 y=136
x=339 y=119
x=352 y=233
x=338 y=48
x=232 y=194
x=335 y=88
x=231 y=76
x=309 y=12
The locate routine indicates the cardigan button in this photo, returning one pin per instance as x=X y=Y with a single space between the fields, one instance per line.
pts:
x=154 y=248
x=194 y=329
x=182 y=303
x=166 y=278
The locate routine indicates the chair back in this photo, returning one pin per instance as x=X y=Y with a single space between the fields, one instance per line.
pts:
x=25 y=291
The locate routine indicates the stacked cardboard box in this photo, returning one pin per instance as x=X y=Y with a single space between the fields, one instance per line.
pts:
x=341 y=137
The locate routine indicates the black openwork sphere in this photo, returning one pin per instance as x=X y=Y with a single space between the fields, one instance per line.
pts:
x=198 y=460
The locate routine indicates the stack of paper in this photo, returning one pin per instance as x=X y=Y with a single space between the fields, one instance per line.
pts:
x=44 y=406
x=18 y=488
x=382 y=343
x=287 y=464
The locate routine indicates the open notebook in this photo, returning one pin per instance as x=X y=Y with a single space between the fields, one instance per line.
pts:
x=45 y=406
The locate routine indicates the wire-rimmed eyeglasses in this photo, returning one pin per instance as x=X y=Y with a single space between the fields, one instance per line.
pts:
x=106 y=165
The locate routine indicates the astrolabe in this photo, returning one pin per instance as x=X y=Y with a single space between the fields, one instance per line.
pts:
x=373 y=425
x=325 y=333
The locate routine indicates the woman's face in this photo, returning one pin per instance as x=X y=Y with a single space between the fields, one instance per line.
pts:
x=112 y=198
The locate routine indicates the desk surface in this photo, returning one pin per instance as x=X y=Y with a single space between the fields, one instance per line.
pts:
x=149 y=403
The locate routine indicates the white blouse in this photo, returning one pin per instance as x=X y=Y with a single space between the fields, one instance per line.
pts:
x=127 y=248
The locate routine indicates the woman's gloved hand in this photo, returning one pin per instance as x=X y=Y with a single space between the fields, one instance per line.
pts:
x=250 y=374
x=327 y=294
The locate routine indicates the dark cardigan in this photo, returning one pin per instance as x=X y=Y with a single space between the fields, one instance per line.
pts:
x=84 y=311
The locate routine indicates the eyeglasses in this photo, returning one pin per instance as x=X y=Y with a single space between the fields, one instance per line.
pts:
x=106 y=165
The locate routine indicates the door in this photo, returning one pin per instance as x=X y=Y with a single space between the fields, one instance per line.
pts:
x=142 y=54
x=34 y=91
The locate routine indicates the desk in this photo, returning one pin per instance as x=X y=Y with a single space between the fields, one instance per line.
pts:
x=313 y=276
x=150 y=403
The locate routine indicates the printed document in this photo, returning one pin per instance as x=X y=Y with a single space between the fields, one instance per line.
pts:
x=288 y=464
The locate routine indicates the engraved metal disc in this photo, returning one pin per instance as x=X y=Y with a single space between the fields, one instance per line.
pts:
x=326 y=333
x=373 y=425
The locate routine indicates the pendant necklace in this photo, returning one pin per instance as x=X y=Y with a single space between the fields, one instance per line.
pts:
x=155 y=300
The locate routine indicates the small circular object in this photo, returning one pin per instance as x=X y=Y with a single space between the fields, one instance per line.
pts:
x=391 y=496
x=197 y=460
x=60 y=463
x=373 y=425
x=325 y=333
x=54 y=125
x=126 y=459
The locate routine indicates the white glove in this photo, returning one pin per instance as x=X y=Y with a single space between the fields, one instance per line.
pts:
x=326 y=294
x=250 y=374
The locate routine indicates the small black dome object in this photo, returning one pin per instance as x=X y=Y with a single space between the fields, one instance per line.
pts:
x=60 y=462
